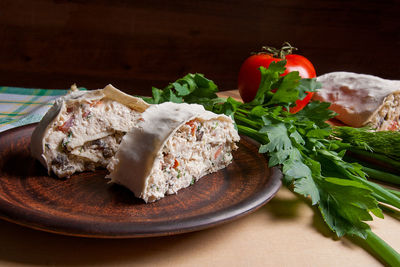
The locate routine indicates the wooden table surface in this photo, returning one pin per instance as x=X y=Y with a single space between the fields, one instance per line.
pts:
x=284 y=232
x=287 y=231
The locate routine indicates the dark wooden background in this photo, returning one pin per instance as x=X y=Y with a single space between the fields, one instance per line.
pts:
x=138 y=44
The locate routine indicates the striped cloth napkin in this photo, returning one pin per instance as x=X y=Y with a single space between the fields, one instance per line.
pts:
x=20 y=106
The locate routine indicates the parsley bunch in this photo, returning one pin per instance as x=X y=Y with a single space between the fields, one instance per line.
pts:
x=302 y=144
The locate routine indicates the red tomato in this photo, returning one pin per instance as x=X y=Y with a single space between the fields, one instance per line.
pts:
x=250 y=76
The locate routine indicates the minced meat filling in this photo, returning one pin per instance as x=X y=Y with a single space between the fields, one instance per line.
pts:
x=92 y=155
x=87 y=135
x=388 y=115
x=196 y=149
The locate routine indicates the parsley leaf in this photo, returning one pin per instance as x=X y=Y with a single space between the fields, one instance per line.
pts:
x=316 y=113
x=287 y=92
x=308 y=85
x=269 y=77
x=278 y=137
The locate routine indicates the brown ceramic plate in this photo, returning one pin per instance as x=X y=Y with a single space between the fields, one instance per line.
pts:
x=86 y=205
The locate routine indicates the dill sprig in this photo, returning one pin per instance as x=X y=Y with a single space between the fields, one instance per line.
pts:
x=383 y=142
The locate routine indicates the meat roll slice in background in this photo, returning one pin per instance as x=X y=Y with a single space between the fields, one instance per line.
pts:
x=362 y=100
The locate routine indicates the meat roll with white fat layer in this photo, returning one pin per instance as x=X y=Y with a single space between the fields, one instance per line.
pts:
x=83 y=129
x=174 y=146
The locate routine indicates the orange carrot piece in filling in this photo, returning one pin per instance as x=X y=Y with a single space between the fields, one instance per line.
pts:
x=176 y=164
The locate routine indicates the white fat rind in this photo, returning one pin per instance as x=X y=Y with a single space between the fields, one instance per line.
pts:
x=361 y=99
x=174 y=146
x=83 y=129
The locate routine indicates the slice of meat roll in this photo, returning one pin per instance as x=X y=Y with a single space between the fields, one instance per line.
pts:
x=175 y=145
x=361 y=99
x=82 y=130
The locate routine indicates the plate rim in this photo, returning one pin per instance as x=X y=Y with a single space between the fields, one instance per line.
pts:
x=118 y=230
